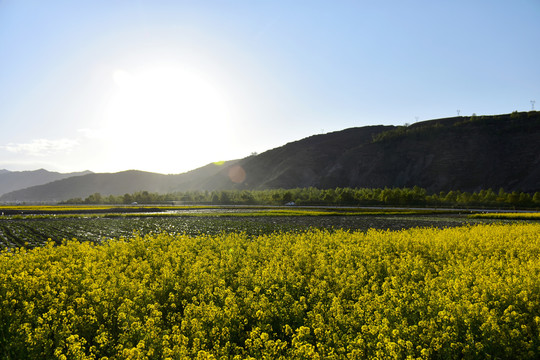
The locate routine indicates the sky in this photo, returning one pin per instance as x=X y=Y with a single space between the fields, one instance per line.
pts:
x=169 y=86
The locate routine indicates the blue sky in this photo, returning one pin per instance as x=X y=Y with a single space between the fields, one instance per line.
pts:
x=168 y=86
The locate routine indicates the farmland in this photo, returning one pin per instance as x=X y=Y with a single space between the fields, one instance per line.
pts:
x=274 y=283
x=463 y=292
x=33 y=226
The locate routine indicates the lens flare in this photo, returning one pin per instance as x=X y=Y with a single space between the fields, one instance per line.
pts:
x=237 y=174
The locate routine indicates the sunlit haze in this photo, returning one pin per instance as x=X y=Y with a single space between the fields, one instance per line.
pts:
x=169 y=86
x=160 y=115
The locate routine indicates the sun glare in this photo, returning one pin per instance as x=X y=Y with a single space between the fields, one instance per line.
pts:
x=176 y=110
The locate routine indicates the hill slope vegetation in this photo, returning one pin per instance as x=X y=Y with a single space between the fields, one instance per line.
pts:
x=467 y=154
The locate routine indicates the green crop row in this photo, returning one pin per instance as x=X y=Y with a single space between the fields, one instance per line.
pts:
x=34 y=230
x=509 y=216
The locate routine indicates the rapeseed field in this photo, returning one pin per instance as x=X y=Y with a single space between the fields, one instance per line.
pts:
x=457 y=293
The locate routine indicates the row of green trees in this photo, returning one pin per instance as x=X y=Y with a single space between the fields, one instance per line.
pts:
x=415 y=196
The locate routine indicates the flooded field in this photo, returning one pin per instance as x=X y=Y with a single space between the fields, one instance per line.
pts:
x=32 y=231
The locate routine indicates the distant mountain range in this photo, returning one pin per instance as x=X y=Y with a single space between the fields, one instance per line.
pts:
x=114 y=184
x=16 y=180
x=460 y=153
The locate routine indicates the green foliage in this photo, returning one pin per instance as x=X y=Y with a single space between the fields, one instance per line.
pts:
x=468 y=292
x=428 y=129
x=418 y=131
x=415 y=196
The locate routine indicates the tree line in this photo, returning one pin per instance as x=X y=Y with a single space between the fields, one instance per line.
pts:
x=415 y=196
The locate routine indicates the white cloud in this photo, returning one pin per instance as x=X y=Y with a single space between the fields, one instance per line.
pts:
x=42 y=147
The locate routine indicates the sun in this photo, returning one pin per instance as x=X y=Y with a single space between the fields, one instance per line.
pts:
x=175 y=100
x=172 y=111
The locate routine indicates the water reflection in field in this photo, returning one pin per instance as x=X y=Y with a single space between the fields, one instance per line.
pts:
x=35 y=232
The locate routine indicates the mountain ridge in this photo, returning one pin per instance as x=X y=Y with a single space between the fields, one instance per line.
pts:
x=458 y=153
x=16 y=180
x=119 y=183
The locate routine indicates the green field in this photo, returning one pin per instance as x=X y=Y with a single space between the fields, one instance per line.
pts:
x=33 y=226
x=508 y=216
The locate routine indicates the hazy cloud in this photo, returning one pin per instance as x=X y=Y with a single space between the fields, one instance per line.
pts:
x=92 y=133
x=41 y=147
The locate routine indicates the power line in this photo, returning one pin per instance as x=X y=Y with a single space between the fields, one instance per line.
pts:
x=532 y=104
